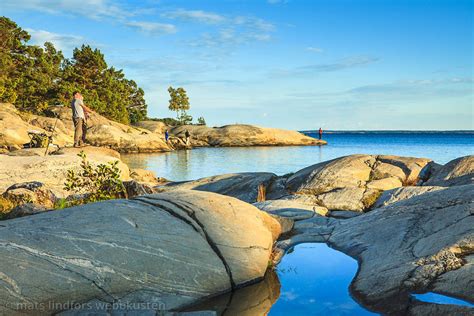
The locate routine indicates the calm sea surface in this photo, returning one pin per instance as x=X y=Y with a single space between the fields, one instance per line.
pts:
x=197 y=163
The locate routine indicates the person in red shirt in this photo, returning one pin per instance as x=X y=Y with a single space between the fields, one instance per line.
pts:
x=320 y=133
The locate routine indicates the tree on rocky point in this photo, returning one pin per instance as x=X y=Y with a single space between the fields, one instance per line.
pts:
x=179 y=102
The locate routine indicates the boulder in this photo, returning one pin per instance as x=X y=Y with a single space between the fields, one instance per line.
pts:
x=456 y=172
x=349 y=171
x=242 y=135
x=427 y=171
x=354 y=182
x=399 y=194
x=134 y=188
x=51 y=170
x=409 y=165
x=30 y=192
x=349 y=199
x=13 y=128
x=169 y=249
x=244 y=186
x=144 y=176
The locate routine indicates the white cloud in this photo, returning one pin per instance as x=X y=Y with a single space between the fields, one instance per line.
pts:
x=314 y=49
x=64 y=42
x=310 y=70
x=152 y=27
x=195 y=15
x=95 y=9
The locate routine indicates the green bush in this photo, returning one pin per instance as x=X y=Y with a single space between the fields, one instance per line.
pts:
x=94 y=183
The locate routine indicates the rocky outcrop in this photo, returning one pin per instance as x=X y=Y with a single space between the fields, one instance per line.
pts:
x=102 y=132
x=419 y=244
x=243 y=135
x=244 y=186
x=355 y=182
x=31 y=165
x=169 y=249
x=456 y=172
x=26 y=198
x=153 y=126
x=145 y=176
x=146 y=136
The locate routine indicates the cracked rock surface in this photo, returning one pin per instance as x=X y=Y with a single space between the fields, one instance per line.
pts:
x=169 y=248
x=420 y=244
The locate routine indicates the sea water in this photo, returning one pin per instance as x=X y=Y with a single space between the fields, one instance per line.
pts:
x=184 y=165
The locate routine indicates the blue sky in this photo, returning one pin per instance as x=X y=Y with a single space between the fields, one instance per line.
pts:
x=297 y=64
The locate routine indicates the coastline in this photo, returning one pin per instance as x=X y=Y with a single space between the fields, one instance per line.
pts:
x=320 y=203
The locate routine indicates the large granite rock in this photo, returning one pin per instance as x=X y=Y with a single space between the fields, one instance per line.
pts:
x=244 y=186
x=31 y=165
x=169 y=249
x=403 y=193
x=102 y=132
x=456 y=172
x=354 y=182
x=243 y=135
x=420 y=244
x=13 y=128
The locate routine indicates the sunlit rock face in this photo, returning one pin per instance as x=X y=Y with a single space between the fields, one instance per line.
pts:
x=171 y=249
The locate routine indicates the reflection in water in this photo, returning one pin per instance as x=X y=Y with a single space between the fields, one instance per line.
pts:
x=203 y=162
x=252 y=300
x=314 y=281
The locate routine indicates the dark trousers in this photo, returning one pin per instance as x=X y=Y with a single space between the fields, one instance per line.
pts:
x=80 y=130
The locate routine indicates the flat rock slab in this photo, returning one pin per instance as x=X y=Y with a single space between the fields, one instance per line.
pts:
x=291 y=209
x=51 y=170
x=171 y=249
x=243 y=186
x=403 y=193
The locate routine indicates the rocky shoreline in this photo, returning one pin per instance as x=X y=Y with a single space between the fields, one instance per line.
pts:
x=144 y=137
x=408 y=221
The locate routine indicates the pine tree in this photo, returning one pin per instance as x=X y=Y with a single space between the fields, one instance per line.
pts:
x=179 y=102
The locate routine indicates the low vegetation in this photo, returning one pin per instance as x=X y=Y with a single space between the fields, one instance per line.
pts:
x=93 y=183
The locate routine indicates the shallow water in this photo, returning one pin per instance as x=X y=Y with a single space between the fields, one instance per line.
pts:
x=314 y=279
x=202 y=162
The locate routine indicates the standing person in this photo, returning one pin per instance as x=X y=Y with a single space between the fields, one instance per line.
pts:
x=79 y=112
x=167 y=135
x=320 y=133
x=187 y=135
